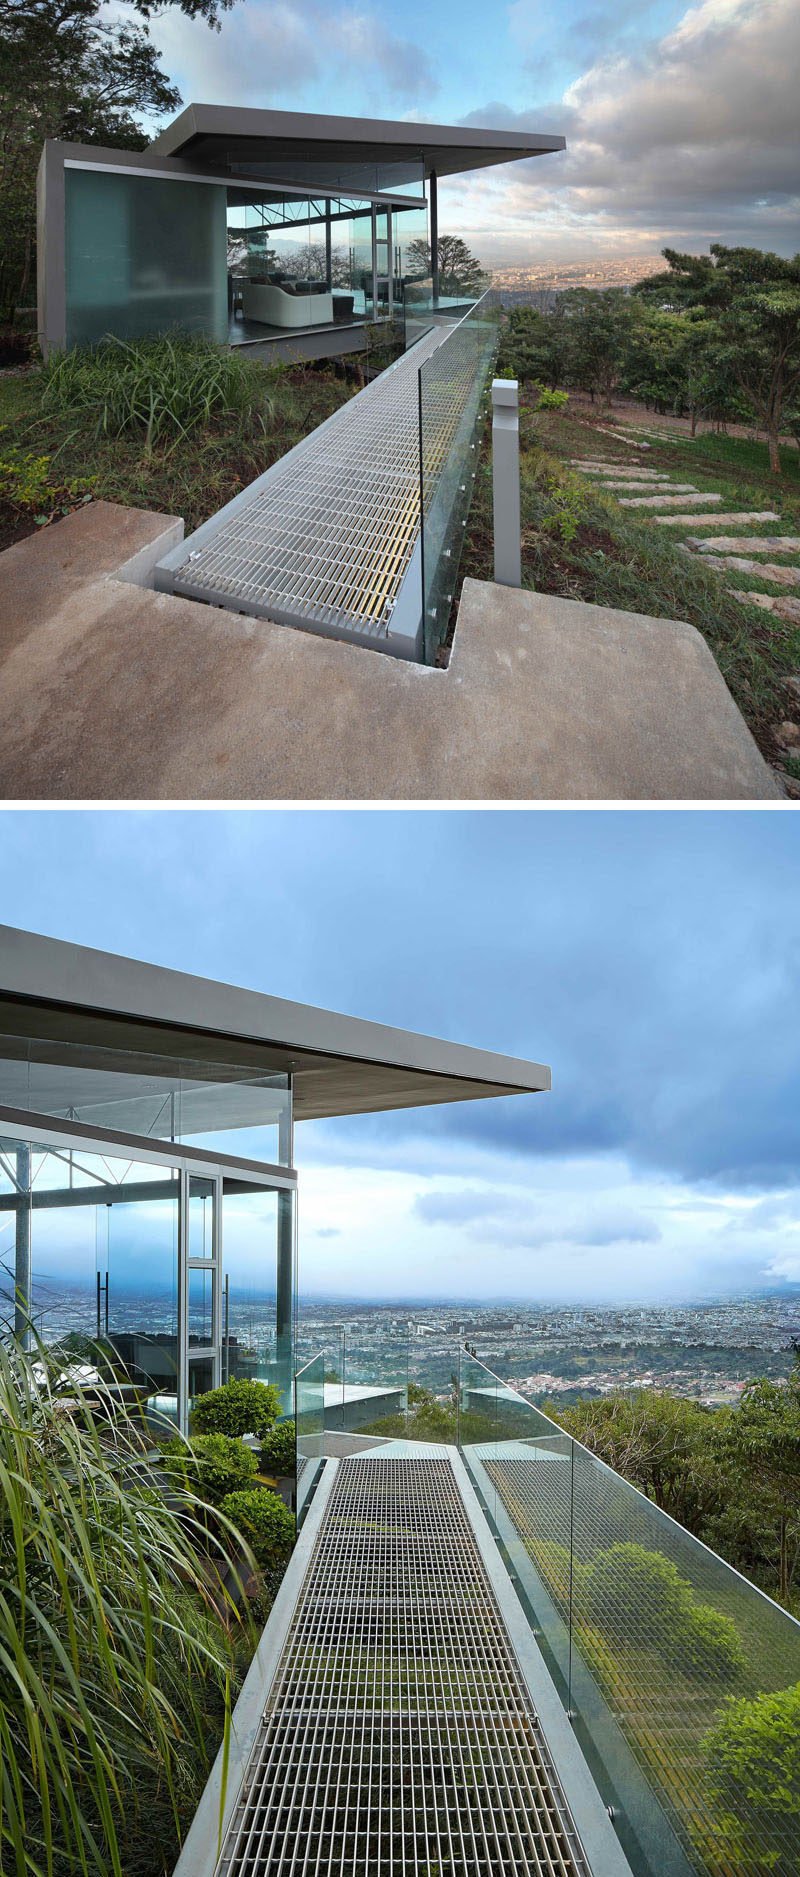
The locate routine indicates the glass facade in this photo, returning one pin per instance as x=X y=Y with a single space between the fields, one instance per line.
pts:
x=125 y=1261
x=322 y=244
x=143 y=255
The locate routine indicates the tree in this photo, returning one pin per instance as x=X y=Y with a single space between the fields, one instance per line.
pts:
x=598 y=328
x=753 y=1761
x=459 y=269
x=660 y=1442
x=759 y=1449
x=535 y=345
x=754 y=300
x=67 y=72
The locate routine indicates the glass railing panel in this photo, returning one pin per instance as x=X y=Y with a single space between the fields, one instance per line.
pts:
x=685 y=1656
x=369 y=1395
x=452 y=406
x=309 y=1413
x=681 y=1679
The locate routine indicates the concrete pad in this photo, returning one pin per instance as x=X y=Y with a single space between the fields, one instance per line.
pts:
x=636 y=485
x=751 y=543
x=782 y=576
x=781 y=604
x=714 y=521
x=664 y=501
x=115 y=692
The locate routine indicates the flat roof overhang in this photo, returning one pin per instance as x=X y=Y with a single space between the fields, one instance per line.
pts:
x=219 y=134
x=74 y=995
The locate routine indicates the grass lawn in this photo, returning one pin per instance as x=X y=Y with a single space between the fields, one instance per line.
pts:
x=578 y=543
x=53 y=460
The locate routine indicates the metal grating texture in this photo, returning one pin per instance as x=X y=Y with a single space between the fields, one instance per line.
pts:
x=327 y=539
x=398 y=1736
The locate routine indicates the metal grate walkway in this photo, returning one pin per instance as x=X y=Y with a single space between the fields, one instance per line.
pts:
x=324 y=538
x=398 y=1736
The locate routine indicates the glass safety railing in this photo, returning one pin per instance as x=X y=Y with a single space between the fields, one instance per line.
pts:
x=399 y=1390
x=422 y=308
x=681 y=1679
x=309 y=1417
x=452 y=405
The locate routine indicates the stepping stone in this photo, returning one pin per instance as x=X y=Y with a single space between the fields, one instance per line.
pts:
x=677 y=488
x=663 y=501
x=691 y=521
x=781 y=604
x=782 y=576
x=617 y=469
x=621 y=437
x=752 y=543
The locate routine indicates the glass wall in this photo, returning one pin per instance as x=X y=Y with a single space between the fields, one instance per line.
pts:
x=322 y=243
x=143 y=255
x=93 y=1242
x=129 y=1255
x=679 y=1676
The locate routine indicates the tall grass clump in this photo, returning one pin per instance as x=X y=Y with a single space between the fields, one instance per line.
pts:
x=117 y=1644
x=160 y=390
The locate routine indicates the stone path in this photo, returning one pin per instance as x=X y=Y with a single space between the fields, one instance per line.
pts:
x=729 y=554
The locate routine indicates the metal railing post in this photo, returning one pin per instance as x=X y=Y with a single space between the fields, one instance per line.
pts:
x=505 y=481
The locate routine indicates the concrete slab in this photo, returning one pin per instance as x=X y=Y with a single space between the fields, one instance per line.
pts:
x=748 y=543
x=666 y=501
x=717 y=520
x=782 y=605
x=115 y=692
x=636 y=485
x=781 y=576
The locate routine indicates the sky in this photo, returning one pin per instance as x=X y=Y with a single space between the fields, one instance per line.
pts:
x=681 y=122
x=652 y=959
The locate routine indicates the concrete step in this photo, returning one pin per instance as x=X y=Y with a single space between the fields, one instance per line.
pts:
x=668 y=488
x=751 y=543
x=663 y=501
x=688 y=521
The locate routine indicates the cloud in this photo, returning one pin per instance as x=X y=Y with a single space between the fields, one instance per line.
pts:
x=693 y=136
x=278 y=54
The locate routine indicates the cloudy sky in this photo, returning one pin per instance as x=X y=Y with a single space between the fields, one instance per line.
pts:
x=652 y=959
x=681 y=123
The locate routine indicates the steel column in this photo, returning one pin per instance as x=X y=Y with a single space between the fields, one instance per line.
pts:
x=22 y=1258
x=433 y=199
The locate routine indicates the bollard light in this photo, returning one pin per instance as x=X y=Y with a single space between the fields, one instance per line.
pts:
x=505 y=482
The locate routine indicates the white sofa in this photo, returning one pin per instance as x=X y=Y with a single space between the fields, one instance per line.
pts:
x=272 y=307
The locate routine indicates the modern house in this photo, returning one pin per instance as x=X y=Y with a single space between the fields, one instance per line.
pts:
x=147 y=1185
x=490 y=1655
x=274 y=230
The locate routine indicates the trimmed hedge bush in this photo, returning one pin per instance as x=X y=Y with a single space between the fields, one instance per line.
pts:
x=239 y=1407
x=211 y=1466
x=263 y=1520
x=278 y=1449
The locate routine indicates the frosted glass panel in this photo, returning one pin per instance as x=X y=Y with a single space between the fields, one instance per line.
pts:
x=144 y=255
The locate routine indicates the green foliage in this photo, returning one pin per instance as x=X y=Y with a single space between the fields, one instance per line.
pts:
x=459 y=269
x=27 y=481
x=278 y=1449
x=238 y=1407
x=641 y=1597
x=753 y=1762
x=212 y=1466
x=114 y=1648
x=159 y=390
x=550 y=400
x=264 y=1522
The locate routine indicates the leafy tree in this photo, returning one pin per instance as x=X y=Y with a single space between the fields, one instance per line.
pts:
x=754 y=300
x=640 y=1597
x=753 y=1761
x=535 y=345
x=758 y=1448
x=68 y=71
x=660 y=1442
x=459 y=269
x=598 y=330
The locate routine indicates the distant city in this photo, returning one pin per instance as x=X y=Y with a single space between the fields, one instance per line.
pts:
x=525 y=284
x=706 y=1351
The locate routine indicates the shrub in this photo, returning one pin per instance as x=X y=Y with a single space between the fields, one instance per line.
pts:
x=753 y=1761
x=212 y=1466
x=263 y=1520
x=550 y=400
x=707 y=1646
x=239 y=1407
x=278 y=1449
x=158 y=389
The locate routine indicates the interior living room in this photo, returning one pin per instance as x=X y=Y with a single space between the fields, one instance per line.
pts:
x=284 y=232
